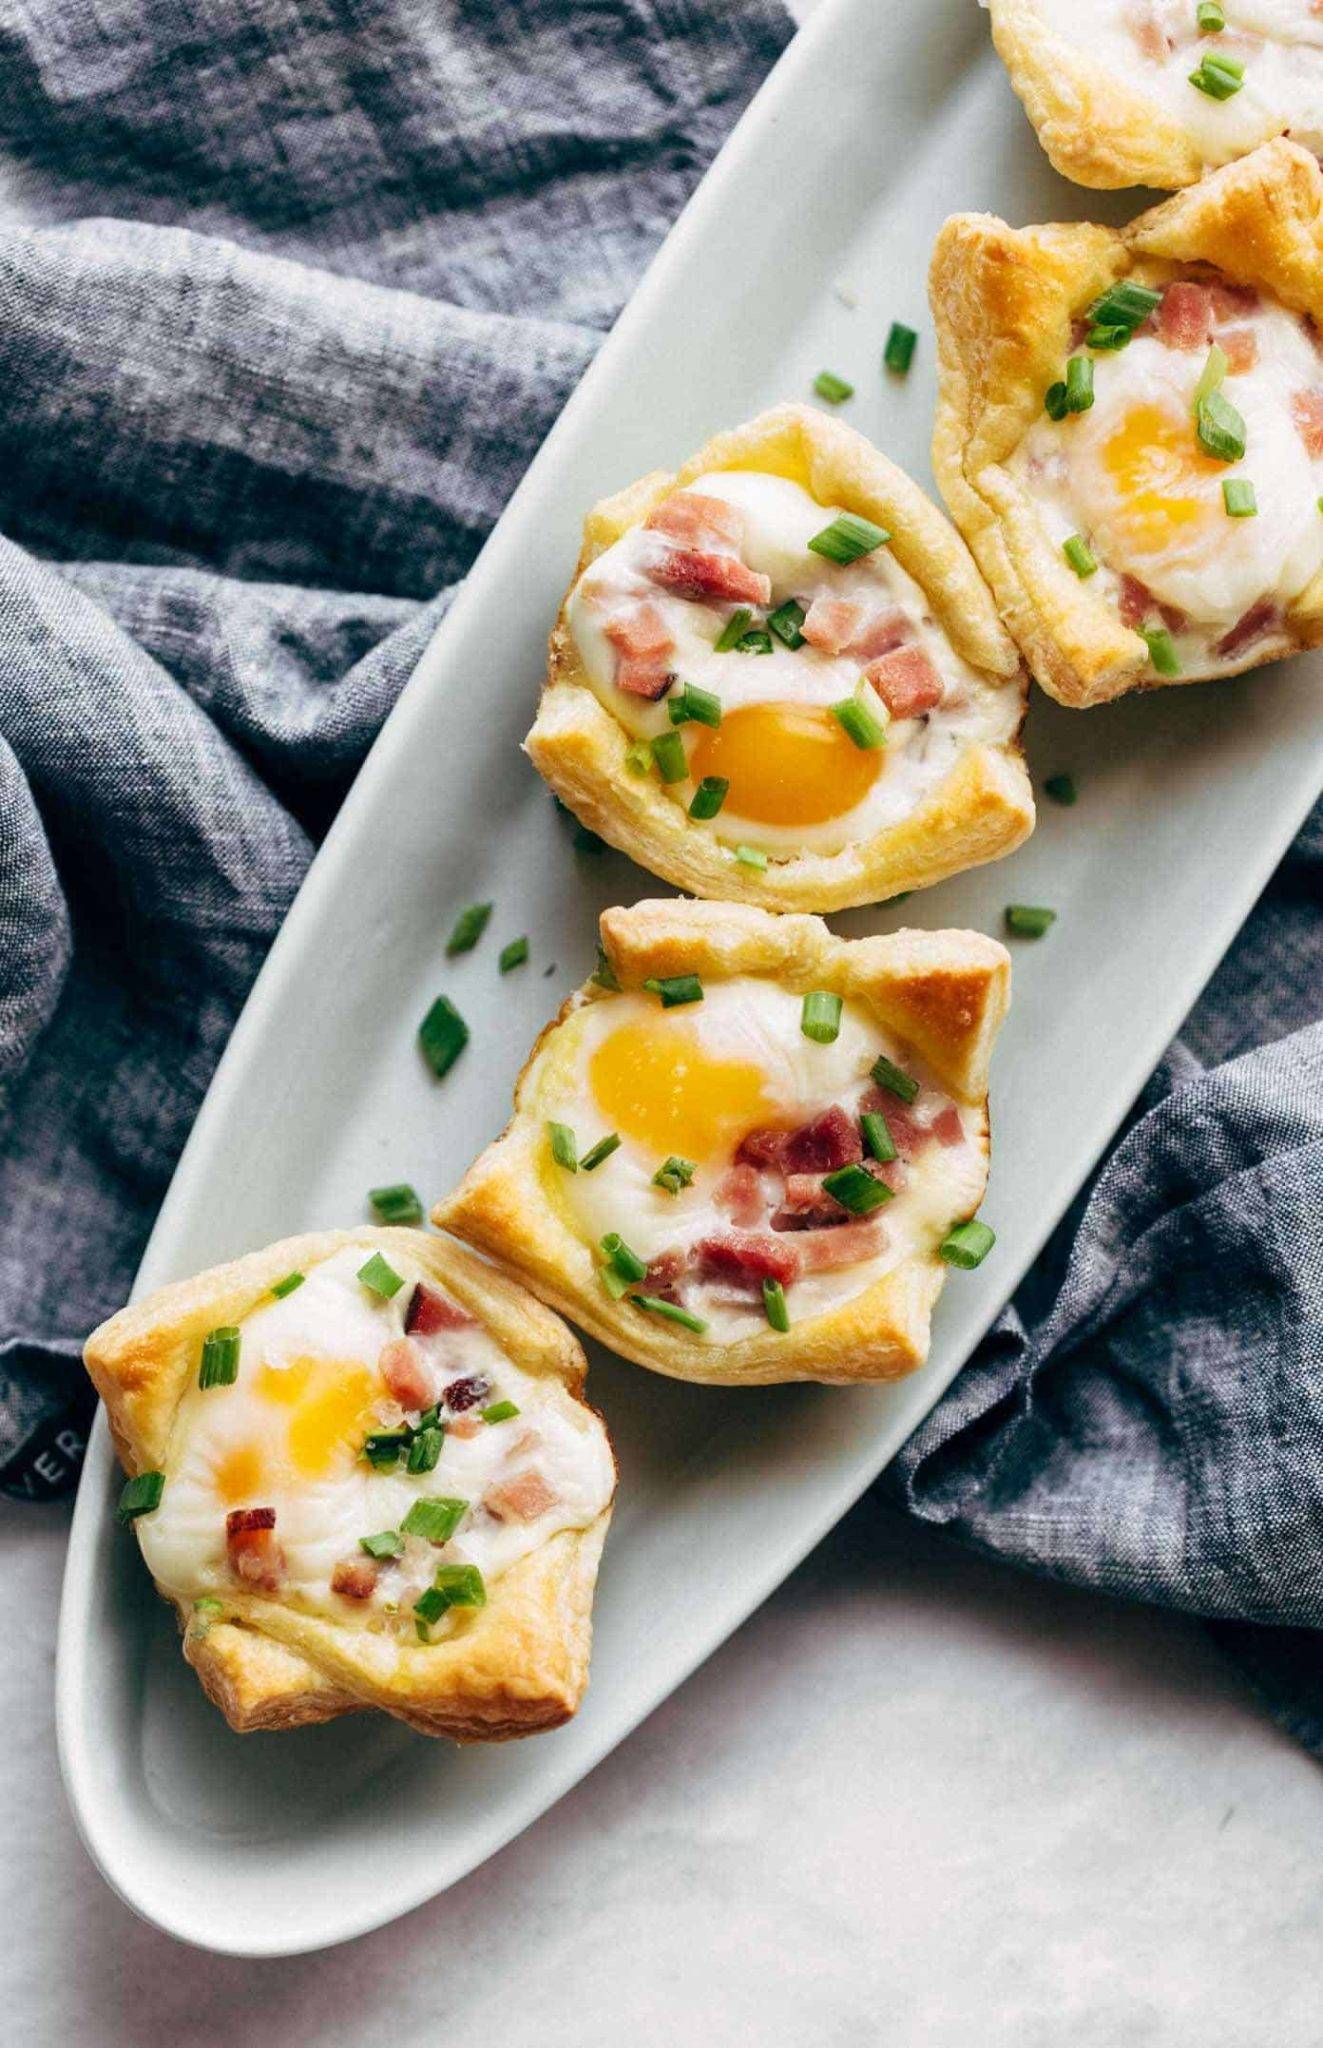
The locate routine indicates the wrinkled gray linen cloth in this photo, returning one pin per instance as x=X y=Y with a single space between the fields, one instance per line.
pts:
x=289 y=295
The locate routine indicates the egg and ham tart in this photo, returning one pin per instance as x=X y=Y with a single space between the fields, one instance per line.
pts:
x=778 y=678
x=363 y=1473
x=1156 y=92
x=748 y=1150
x=1130 y=428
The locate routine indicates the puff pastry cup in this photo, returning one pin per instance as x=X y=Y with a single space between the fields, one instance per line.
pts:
x=666 y=615
x=796 y=1143
x=286 y=1617
x=1109 y=84
x=1200 y=388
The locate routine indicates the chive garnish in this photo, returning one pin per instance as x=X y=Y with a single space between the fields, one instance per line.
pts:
x=140 y=1496
x=209 y=1605
x=614 y=1283
x=848 y=538
x=1028 y=920
x=709 y=797
x=833 y=388
x=386 y=1543
x=1115 y=316
x=1161 y=650
x=758 y=641
x=396 y=1204
x=856 y=1189
x=677 y=1173
x=513 y=954
x=443 y=1035
x=604 y=974
x=1238 y=497
x=500 y=1411
x=864 y=727
x=894 y=1079
x=877 y=1136
x=469 y=928
x=600 y=1151
x=1210 y=18
x=1054 y=401
x=383 y=1447
x=220 y=1358
x=638 y=757
x=675 y=989
x=564 y=1146
x=621 y=1259
x=435 y=1519
x=786 y=621
x=739 y=622
x=1214 y=370
x=425 y=1449
x=1077 y=552
x=458 y=1585
x=899 y=351
x=967 y=1245
x=1079 y=384
x=380 y=1277
x=820 y=1016
x=1219 y=76
x=751 y=857
x=668 y=753
x=290 y=1283
x=774 y=1304
x=692 y=703
x=670 y=1311
x=1061 y=789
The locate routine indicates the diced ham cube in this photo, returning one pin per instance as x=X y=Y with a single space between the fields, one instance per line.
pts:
x=746 y=1258
x=645 y=646
x=882 y=632
x=1233 y=301
x=1185 y=317
x=831 y=623
x=430 y=1311
x=405 y=1372
x=708 y=578
x=909 y=1131
x=1240 y=346
x=765 y=1146
x=355 y=1578
x=827 y=1142
x=806 y=1206
x=697 y=521
x=1134 y=602
x=1258 y=621
x=825 y=1251
x=740 y=1195
x=664 y=1274
x=467 y=1393
x=947 y=1126
x=250 y=1544
x=906 y=681
x=1307 y=408
x=464 y=1426
x=521 y=1499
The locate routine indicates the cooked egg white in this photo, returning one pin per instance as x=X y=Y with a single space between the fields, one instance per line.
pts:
x=692 y=1082
x=798 y=783
x=288 y=1433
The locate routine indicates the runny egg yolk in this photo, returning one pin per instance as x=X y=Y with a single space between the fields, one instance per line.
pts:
x=330 y=1402
x=657 y=1085
x=239 y=1475
x=787 y=764
x=1157 y=467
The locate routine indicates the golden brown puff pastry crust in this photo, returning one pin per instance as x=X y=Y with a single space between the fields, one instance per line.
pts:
x=982 y=810
x=945 y=994
x=515 y=1666
x=1004 y=301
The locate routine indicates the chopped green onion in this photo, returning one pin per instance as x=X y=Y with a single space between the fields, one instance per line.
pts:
x=833 y=388
x=1054 y=402
x=967 y=1245
x=786 y=621
x=621 y=1259
x=856 y=1189
x=894 y=1079
x=380 y=1277
x=1214 y=370
x=675 y=989
x=500 y=1411
x=290 y=1283
x=1109 y=337
x=1219 y=76
x=396 y=1204
x=862 y=725
x=564 y=1147
x=1079 y=384
x=759 y=641
x=638 y=757
x=1238 y=497
x=614 y=1283
x=469 y=928
x=443 y=1035
x=386 y=1543
x=1161 y=650
x=513 y=954
x=739 y=622
x=751 y=857
x=435 y=1519
x=677 y=1173
x=1210 y=18
x=899 y=351
x=220 y=1358
x=670 y=1311
x=425 y=1449
x=709 y=797
x=1028 y=920
x=877 y=1136
x=382 y=1449
x=668 y=753
x=208 y=1604
x=600 y=1151
x=848 y=538
x=429 y=1418
x=1078 y=553
x=774 y=1305
x=1061 y=789
x=461 y=1584
x=140 y=1496
x=604 y=974
x=700 y=705
x=1121 y=309
x=820 y=1016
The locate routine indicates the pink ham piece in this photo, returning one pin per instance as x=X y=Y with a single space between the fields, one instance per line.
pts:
x=764 y=1146
x=906 y=681
x=355 y=1578
x=805 y=1206
x=663 y=1274
x=1307 y=410
x=746 y=1258
x=643 y=641
x=825 y=1251
x=828 y=1141
x=521 y=1499
x=707 y=578
x=1133 y=602
x=404 y=1370
x=947 y=1127
x=1257 y=621
x=740 y=1195
x=1240 y=346
x=250 y=1544
x=1185 y=317
x=838 y=625
x=430 y=1311
x=1233 y=301
x=697 y=521
x=464 y=1426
